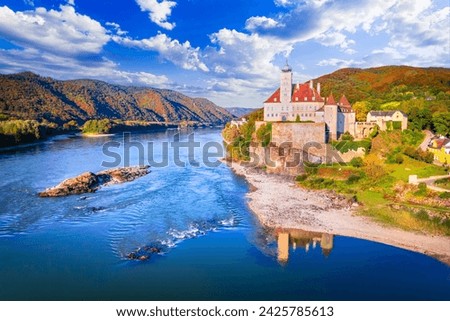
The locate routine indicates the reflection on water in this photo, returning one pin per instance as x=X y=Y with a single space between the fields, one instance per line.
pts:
x=299 y=238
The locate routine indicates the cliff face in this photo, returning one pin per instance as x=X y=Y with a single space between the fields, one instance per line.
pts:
x=29 y=96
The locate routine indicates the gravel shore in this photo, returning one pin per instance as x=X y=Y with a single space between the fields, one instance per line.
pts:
x=279 y=203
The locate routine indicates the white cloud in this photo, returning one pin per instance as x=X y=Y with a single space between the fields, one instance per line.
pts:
x=180 y=54
x=419 y=32
x=159 y=11
x=414 y=27
x=71 y=2
x=64 y=31
x=29 y=2
x=284 y=3
x=48 y=64
x=244 y=55
x=340 y=63
x=117 y=30
x=260 y=22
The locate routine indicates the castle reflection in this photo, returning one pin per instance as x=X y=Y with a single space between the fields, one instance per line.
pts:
x=304 y=239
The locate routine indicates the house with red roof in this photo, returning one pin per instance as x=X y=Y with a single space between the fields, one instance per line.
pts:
x=291 y=102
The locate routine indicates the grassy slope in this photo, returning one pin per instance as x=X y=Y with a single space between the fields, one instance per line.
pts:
x=378 y=195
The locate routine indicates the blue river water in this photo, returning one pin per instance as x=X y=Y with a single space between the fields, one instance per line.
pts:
x=76 y=247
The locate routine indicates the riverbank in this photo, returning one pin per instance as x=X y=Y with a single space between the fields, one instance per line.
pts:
x=280 y=203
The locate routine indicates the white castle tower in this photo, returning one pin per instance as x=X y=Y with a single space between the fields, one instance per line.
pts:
x=285 y=91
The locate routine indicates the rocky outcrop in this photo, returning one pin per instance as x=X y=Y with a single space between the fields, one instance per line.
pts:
x=89 y=182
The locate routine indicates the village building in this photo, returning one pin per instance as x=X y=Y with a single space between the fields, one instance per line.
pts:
x=302 y=102
x=388 y=120
x=440 y=147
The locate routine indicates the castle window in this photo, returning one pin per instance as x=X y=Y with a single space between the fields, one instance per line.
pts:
x=296 y=98
x=305 y=98
x=274 y=99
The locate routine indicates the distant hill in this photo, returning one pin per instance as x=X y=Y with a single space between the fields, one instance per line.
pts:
x=29 y=96
x=386 y=83
x=239 y=111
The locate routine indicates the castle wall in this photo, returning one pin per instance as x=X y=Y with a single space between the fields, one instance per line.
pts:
x=298 y=134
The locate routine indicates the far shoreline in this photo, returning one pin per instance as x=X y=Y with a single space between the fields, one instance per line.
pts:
x=280 y=204
x=95 y=135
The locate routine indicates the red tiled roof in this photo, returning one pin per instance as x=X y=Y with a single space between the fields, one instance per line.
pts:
x=344 y=101
x=440 y=142
x=302 y=91
x=299 y=93
x=330 y=100
x=275 y=98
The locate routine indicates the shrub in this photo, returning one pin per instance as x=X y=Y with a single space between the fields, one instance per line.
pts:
x=347 y=136
x=374 y=167
x=357 y=162
x=95 y=126
x=297 y=119
x=374 y=132
x=20 y=131
x=398 y=159
x=301 y=178
x=353 y=178
x=422 y=190
x=264 y=134
x=445 y=195
x=311 y=168
x=422 y=215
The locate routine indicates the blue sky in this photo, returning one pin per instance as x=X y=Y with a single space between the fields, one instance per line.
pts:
x=229 y=51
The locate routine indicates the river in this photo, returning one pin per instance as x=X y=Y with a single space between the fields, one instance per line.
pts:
x=76 y=247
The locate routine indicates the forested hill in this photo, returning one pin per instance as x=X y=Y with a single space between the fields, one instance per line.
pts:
x=386 y=83
x=29 y=96
x=422 y=93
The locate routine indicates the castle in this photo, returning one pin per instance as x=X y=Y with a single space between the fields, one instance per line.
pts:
x=294 y=102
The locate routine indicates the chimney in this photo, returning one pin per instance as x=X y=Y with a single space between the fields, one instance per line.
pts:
x=318 y=88
x=311 y=84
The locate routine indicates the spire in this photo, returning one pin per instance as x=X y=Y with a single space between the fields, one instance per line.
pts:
x=330 y=100
x=344 y=101
x=286 y=67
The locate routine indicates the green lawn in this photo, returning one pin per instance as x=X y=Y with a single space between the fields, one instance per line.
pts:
x=414 y=167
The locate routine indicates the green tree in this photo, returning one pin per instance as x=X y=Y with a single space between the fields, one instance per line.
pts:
x=441 y=123
x=297 y=119
x=361 y=109
x=264 y=134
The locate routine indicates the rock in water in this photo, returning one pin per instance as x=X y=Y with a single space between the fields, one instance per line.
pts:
x=89 y=182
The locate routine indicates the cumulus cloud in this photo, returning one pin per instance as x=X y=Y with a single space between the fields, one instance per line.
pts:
x=59 y=31
x=419 y=32
x=244 y=55
x=49 y=64
x=254 y=23
x=159 y=11
x=116 y=28
x=180 y=54
x=414 y=27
